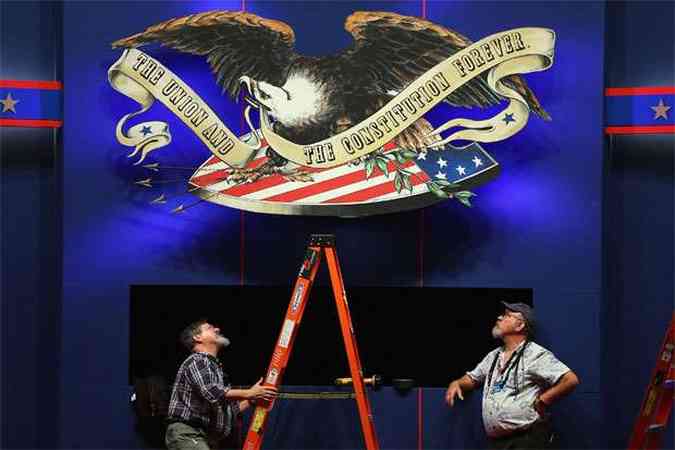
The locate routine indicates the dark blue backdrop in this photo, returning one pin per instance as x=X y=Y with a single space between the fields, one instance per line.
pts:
x=640 y=217
x=538 y=225
x=600 y=261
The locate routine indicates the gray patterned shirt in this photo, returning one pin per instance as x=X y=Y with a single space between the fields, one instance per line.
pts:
x=508 y=403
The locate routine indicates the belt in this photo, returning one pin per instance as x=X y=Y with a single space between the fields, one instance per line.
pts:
x=536 y=426
x=192 y=423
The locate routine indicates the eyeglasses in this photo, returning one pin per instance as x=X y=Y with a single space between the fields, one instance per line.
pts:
x=511 y=314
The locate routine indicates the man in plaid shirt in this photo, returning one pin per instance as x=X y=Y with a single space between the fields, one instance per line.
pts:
x=203 y=406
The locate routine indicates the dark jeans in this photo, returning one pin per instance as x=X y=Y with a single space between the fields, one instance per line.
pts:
x=538 y=436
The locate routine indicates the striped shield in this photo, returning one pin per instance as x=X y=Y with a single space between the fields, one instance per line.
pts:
x=346 y=191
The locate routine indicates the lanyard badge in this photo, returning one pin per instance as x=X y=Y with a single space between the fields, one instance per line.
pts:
x=498 y=386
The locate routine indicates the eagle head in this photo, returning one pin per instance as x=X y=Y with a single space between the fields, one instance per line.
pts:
x=311 y=98
x=298 y=102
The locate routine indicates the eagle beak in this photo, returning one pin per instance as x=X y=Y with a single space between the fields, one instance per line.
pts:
x=252 y=87
x=249 y=83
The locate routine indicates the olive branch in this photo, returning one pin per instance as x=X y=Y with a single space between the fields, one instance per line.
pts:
x=402 y=177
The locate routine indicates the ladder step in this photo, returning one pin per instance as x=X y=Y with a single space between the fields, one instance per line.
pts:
x=656 y=427
x=657 y=404
x=320 y=245
x=317 y=395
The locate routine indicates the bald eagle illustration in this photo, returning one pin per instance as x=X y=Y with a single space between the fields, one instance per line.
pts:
x=313 y=98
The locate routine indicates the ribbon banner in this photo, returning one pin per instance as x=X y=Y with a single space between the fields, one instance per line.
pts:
x=517 y=51
x=144 y=79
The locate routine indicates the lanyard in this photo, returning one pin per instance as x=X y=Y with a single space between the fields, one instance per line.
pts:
x=499 y=385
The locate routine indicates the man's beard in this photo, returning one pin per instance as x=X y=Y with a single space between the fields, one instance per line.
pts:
x=496 y=332
x=222 y=341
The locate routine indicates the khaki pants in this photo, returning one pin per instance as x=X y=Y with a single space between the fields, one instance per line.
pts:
x=181 y=436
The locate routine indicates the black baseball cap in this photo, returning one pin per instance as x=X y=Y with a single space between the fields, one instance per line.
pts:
x=526 y=310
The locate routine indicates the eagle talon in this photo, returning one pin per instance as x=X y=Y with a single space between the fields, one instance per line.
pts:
x=240 y=176
x=356 y=161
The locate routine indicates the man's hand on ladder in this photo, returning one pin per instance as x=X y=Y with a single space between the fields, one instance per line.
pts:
x=259 y=392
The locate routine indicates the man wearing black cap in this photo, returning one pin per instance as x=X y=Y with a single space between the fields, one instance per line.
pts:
x=520 y=380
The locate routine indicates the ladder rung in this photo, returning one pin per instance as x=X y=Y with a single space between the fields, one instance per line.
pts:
x=322 y=240
x=658 y=400
x=317 y=395
x=282 y=351
x=656 y=427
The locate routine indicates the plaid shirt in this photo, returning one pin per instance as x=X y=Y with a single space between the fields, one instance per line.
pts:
x=198 y=396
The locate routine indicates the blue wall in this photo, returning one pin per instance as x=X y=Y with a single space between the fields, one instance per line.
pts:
x=538 y=225
x=562 y=218
x=640 y=219
x=30 y=237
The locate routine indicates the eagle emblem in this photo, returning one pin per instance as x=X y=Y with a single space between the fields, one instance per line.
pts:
x=307 y=100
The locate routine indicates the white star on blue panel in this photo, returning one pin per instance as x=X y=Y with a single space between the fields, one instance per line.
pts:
x=477 y=161
x=461 y=170
x=441 y=162
x=422 y=156
x=440 y=175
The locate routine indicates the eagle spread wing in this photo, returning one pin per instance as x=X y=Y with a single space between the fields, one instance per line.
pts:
x=234 y=43
x=389 y=52
x=394 y=50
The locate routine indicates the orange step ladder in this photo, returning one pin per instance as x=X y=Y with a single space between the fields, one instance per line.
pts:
x=658 y=402
x=319 y=244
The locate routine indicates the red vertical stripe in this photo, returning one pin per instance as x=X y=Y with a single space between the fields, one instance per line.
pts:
x=242 y=240
x=420 y=283
x=420 y=419
x=242 y=248
x=420 y=249
x=242 y=217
